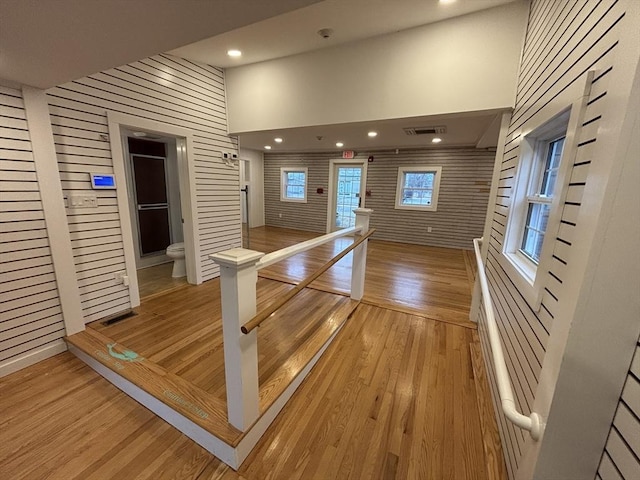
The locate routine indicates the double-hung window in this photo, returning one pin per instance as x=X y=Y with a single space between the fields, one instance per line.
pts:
x=534 y=207
x=417 y=188
x=539 y=199
x=293 y=184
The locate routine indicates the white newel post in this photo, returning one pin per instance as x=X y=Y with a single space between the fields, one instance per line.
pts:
x=238 y=278
x=359 y=264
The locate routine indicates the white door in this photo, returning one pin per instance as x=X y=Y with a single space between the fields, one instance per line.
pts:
x=348 y=189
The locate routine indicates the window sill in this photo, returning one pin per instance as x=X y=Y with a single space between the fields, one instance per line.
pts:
x=422 y=208
x=522 y=273
x=294 y=200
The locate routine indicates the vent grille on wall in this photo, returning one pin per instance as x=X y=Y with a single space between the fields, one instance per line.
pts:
x=424 y=130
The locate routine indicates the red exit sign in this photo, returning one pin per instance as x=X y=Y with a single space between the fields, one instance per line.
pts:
x=348 y=154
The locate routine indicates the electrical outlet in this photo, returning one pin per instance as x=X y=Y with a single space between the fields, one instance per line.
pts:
x=279 y=215
x=429 y=229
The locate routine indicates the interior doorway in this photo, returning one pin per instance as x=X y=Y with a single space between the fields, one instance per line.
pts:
x=152 y=180
x=245 y=200
x=179 y=164
x=348 y=179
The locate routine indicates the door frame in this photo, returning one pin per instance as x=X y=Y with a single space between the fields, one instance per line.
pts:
x=117 y=123
x=331 y=203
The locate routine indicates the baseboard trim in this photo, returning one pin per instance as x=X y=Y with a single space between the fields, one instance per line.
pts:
x=32 y=357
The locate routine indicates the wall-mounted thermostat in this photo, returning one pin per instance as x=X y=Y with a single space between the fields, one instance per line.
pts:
x=103 y=180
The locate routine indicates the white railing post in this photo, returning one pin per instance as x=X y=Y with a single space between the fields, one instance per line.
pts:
x=359 y=265
x=238 y=278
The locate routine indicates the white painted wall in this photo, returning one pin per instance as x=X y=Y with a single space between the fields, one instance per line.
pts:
x=256 y=186
x=464 y=64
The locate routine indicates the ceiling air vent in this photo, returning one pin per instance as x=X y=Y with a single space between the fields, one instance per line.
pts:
x=424 y=130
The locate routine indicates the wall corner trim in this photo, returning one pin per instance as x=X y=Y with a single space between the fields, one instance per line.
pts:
x=46 y=165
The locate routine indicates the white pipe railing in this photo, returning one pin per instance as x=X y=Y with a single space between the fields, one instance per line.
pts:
x=283 y=253
x=532 y=423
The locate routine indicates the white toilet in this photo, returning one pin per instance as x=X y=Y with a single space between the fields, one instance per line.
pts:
x=175 y=251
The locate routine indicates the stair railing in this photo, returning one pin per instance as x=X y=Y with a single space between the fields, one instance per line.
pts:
x=238 y=277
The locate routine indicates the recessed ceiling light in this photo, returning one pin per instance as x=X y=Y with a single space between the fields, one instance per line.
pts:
x=277 y=140
x=445 y=2
x=372 y=134
x=436 y=140
x=139 y=134
x=234 y=53
x=267 y=147
x=339 y=144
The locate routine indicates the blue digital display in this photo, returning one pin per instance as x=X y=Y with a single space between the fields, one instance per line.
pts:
x=107 y=180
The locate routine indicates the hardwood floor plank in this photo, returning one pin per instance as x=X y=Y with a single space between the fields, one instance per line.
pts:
x=494 y=460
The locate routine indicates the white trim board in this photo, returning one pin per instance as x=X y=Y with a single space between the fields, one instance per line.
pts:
x=232 y=456
x=186 y=161
x=32 y=357
x=49 y=186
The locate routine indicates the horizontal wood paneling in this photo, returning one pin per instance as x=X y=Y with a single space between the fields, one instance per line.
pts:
x=564 y=40
x=462 y=200
x=310 y=216
x=462 y=203
x=30 y=314
x=166 y=89
x=621 y=457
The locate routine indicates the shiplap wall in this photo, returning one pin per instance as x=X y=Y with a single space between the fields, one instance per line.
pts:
x=310 y=216
x=564 y=40
x=166 y=89
x=462 y=202
x=30 y=313
x=621 y=457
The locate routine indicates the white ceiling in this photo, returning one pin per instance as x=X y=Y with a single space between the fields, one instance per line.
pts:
x=470 y=129
x=44 y=43
x=351 y=20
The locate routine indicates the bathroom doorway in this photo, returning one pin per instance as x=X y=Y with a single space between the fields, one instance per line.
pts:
x=154 y=203
x=154 y=193
x=179 y=163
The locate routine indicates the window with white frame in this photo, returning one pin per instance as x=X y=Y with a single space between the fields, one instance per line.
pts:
x=417 y=188
x=534 y=209
x=293 y=184
x=539 y=198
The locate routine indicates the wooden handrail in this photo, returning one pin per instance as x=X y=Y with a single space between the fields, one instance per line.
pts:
x=284 y=253
x=264 y=314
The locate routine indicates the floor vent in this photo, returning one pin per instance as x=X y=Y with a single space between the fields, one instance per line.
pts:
x=118 y=317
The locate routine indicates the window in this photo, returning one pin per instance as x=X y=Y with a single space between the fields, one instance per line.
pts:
x=539 y=200
x=293 y=184
x=417 y=188
x=534 y=212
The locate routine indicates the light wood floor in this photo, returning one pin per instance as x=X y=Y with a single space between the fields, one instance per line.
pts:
x=393 y=397
x=157 y=279
x=182 y=332
x=431 y=281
